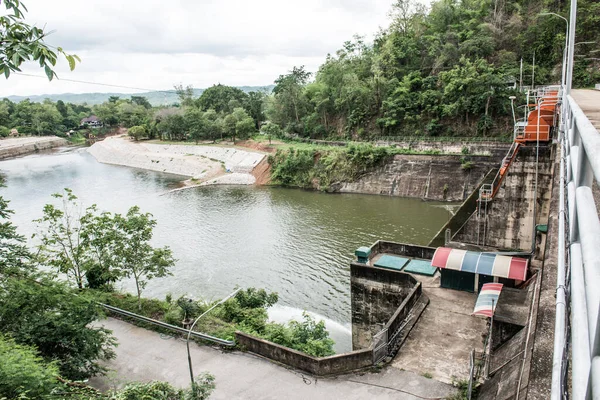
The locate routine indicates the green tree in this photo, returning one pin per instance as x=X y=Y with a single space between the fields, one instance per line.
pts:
x=60 y=234
x=47 y=314
x=99 y=242
x=196 y=123
x=46 y=118
x=14 y=255
x=214 y=126
x=255 y=106
x=271 y=130
x=22 y=42
x=244 y=124
x=221 y=98
x=139 y=259
x=185 y=94
x=141 y=101
x=137 y=132
x=22 y=371
x=291 y=104
x=107 y=112
x=173 y=126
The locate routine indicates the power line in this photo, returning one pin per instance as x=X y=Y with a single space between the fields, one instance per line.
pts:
x=98 y=83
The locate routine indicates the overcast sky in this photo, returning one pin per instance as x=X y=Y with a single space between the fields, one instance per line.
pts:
x=154 y=44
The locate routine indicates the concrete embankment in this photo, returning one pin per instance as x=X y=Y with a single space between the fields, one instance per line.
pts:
x=429 y=177
x=15 y=147
x=204 y=164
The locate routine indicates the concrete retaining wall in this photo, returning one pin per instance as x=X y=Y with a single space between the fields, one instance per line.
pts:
x=331 y=365
x=376 y=296
x=21 y=146
x=403 y=249
x=430 y=177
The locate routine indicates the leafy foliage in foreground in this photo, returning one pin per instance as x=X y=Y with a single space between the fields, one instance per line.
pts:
x=23 y=371
x=201 y=390
x=50 y=316
x=22 y=42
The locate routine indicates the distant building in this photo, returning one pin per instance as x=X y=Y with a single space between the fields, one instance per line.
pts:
x=92 y=122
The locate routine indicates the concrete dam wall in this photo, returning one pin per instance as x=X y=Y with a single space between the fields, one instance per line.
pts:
x=428 y=177
x=508 y=221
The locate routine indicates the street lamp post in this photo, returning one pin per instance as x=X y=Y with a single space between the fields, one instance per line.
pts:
x=194 y=324
x=564 y=62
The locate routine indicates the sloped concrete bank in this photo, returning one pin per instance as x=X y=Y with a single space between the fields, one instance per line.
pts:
x=428 y=177
x=203 y=164
x=15 y=147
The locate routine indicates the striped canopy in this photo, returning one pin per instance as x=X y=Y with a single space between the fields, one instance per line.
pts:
x=480 y=263
x=487 y=299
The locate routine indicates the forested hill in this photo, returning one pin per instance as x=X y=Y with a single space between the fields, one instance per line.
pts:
x=445 y=71
x=156 y=98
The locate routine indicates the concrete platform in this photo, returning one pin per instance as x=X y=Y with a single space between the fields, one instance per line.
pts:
x=144 y=355
x=444 y=336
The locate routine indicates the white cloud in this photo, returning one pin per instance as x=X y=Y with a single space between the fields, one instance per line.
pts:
x=155 y=43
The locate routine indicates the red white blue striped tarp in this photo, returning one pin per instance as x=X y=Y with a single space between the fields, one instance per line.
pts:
x=487 y=299
x=481 y=263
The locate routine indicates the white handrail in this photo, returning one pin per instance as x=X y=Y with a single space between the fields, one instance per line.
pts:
x=578 y=259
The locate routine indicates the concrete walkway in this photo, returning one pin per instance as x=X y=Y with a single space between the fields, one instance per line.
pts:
x=589 y=101
x=144 y=355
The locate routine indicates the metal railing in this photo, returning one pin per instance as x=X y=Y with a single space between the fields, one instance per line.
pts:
x=178 y=329
x=578 y=263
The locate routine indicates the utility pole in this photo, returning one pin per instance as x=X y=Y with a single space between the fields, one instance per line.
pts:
x=533 y=72
x=521 y=76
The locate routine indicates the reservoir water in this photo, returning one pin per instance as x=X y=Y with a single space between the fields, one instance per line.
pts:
x=294 y=242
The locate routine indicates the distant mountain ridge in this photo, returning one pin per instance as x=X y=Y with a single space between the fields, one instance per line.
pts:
x=156 y=98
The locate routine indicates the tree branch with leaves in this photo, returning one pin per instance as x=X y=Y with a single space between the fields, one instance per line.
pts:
x=20 y=42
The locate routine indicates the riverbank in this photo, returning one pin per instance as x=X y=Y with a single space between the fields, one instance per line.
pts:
x=203 y=165
x=14 y=147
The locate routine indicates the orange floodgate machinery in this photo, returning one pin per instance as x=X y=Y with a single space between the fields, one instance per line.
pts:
x=541 y=118
x=537 y=127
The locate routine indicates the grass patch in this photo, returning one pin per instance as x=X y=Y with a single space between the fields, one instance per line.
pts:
x=76 y=138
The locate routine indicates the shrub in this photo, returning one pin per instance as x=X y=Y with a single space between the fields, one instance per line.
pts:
x=201 y=389
x=189 y=308
x=309 y=336
x=137 y=132
x=23 y=371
